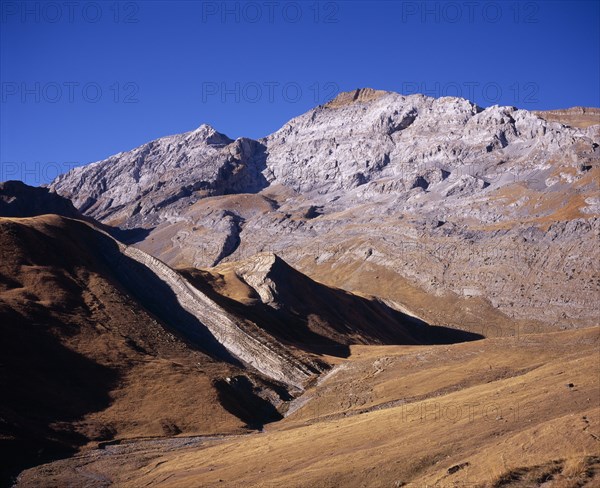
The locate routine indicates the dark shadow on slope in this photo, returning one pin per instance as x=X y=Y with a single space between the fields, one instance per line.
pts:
x=129 y=236
x=18 y=199
x=45 y=387
x=238 y=396
x=324 y=320
x=439 y=334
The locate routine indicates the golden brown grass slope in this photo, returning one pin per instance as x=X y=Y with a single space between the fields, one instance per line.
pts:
x=81 y=360
x=95 y=350
x=581 y=117
x=504 y=412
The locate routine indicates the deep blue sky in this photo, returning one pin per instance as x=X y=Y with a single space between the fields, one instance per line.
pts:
x=167 y=67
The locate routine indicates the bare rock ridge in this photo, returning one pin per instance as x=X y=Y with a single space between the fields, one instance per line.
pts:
x=497 y=205
x=157 y=177
x=266 y=355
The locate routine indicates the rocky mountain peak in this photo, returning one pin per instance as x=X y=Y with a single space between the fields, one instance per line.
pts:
x=133 y=188
x=373 y=139
x=209 y=135
x=342 y=181
x=400 y=137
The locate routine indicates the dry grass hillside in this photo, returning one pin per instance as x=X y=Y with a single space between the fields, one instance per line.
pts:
x=581 y=117
x=504 y=412
x=84 y=361
x=96 y=351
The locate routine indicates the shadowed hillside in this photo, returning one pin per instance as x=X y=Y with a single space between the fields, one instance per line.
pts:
x=300 y=311
x=104 y=342
x=83 y=360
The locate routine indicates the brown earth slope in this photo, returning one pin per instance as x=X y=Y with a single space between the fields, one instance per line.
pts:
x=82 y=360
x=96 y=348
x=514 y=412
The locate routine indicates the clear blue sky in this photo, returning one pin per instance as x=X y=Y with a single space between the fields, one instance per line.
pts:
x=85 y=80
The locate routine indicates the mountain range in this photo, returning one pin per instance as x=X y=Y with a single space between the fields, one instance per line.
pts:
x=384 y=183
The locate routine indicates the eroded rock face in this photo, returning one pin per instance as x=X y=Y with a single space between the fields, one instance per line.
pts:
x=495 y=203
x=343 y=146
x=142 y=187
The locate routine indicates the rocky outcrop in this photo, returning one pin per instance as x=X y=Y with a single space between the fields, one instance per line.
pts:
x=144 y=186
x=258 y=273
x=200 y=319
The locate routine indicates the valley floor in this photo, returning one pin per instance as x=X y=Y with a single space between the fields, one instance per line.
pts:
x=502 y=412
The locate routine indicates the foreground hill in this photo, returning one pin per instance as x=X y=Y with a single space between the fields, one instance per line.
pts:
x=84 y=360
x=102 y=341
x=505 y=412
